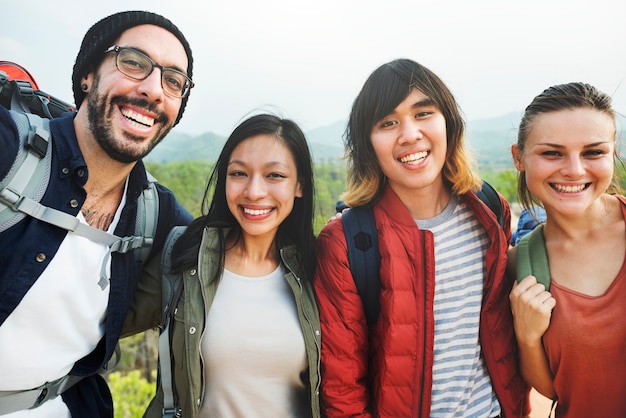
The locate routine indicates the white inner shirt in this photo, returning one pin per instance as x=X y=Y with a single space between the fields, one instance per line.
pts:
x=59 y=321
x=253 y=350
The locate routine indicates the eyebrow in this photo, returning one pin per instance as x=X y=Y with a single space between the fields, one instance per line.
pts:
x=595 y=144
x=267 y=165
x=424 y=102
x=420 y=103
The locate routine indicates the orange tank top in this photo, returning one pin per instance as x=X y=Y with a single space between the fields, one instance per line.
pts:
x=586 y=347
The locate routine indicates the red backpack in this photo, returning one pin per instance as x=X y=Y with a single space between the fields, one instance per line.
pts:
x=19 y=91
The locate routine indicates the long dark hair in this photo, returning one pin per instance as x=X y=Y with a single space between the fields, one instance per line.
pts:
x=296 y=229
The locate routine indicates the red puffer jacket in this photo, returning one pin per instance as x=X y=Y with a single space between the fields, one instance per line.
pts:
x=390 y=375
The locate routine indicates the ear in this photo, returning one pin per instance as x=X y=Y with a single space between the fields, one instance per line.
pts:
x=88 y=79
x=85 y=84
x=517 y=157
x=299 y=189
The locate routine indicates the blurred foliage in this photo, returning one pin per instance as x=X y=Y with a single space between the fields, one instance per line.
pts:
x=504 y=181
x=187 y=179
x=131 y=393
x=330 y=183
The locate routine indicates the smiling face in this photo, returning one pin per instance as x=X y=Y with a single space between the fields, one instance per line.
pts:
x=410 y=145
x=568 y=158
x=261 y=185
x=128 y=117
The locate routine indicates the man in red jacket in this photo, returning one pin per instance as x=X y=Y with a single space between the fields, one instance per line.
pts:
x=443 y=344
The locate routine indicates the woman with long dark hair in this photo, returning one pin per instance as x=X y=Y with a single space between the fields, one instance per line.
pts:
x=245 y=336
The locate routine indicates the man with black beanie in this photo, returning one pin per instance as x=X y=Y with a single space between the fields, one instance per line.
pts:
x=63 y=295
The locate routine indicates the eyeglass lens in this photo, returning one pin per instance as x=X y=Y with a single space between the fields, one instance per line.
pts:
x=139 y=66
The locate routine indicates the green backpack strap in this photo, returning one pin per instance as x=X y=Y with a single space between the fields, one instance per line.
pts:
x=532 y=257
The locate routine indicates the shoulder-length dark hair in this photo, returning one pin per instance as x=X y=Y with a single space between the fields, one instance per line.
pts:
x=296 y=229
x=382 y=92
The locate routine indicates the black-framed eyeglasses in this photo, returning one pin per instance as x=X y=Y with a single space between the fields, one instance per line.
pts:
x=137 y=65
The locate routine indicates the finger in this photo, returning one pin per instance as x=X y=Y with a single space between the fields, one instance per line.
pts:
x=528 y=282
x=547 y=301
x=522 y=286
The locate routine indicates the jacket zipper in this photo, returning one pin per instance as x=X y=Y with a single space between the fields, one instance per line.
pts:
x=425 y=323
x=204 y=304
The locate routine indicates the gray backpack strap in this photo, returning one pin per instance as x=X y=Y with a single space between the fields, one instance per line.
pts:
x=147 y=216
x=14 y=401
x=30 y=172
x=27 y=180
x=172 y=289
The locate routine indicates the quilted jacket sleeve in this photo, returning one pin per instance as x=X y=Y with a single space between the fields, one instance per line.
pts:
x=344 y=329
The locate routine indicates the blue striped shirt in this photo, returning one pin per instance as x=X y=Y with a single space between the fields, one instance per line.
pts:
x=461 y=383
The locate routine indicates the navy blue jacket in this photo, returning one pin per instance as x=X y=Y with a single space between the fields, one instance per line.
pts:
x=20 y=246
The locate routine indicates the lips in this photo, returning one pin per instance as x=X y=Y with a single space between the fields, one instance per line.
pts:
x=256 y=212
x=137 y=117
x=570 y=189
x=414 y=158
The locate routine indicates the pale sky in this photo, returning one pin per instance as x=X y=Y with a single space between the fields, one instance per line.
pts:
x=307 y=60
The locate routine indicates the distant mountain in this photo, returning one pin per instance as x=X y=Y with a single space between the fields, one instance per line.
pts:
x=178 y=146
x=490 y=139
x=500 y=123
x=325 y=144
x=328 y=135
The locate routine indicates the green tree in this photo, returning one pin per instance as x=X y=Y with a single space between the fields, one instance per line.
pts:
x=187 y=179
x=330 y=180
x=504 y=181
x=131 y=393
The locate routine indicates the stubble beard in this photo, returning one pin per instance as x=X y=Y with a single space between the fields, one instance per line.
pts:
x=100 y=114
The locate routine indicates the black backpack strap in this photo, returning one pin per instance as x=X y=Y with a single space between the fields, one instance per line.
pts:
x=363 y=255
x=364 y=258
x=531 y=257
x=490 y=197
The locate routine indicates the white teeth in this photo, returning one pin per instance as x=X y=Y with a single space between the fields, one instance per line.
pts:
x=256 y=212
x=414 y=158
x=134 y=116
x=569 y=189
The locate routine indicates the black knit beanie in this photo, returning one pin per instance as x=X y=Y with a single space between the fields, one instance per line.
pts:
x=102 y=35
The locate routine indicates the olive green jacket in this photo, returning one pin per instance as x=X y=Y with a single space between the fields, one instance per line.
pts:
x=190 y=316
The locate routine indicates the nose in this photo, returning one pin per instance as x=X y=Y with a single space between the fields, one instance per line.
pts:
x=411 y=131
x=574 y=167
x=256 y=188
x=151 y=87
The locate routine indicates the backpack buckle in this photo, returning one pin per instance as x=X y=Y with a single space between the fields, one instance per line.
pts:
x=10 y=198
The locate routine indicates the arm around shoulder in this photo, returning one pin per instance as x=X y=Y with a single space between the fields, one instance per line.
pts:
x=145 y=310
